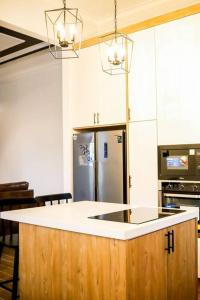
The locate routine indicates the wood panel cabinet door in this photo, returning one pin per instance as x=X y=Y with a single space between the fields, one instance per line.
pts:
x=182 y=263
x=143 y=163
x=147 y=267
x=142 y=84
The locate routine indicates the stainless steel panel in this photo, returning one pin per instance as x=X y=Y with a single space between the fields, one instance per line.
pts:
x=110 y=166
x=84 y=166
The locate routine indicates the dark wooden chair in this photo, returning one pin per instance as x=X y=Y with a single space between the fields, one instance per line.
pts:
x=9 y=238
x=14 y=186
x=15 y=190
x=53 y=199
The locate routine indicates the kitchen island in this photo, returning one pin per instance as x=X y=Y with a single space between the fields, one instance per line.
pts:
x=64 y=254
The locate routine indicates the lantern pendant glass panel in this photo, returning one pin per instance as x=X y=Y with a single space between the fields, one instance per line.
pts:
x=116 y=53
x=64 y=31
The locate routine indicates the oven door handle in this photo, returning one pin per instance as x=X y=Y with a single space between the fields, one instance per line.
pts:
x=182 y=195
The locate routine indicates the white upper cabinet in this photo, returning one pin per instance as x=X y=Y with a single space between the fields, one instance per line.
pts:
x=178 y=81
x=143 y=163
x=84 y=87
x=112 y=99
x=96 y=97
x=142 y=85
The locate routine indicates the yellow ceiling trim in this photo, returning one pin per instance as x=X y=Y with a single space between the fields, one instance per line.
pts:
x=171 y=16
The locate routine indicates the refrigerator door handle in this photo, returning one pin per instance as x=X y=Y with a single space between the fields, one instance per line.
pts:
x=94 y=118
x=105 y=150
x=97 y=118
x=130 y=181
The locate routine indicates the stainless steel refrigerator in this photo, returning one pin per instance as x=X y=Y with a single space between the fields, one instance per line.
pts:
x=99 y=166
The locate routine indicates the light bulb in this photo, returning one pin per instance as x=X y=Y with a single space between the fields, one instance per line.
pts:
x=61 y=35
x=72 y=31
x=116 y=54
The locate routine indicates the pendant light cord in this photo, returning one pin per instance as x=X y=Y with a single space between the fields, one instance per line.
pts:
x=64 y=3
x=115 y=1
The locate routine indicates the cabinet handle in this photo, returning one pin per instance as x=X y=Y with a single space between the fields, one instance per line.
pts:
x=97 y=118
x=94 y=118
x=172 y=234
x=129 y=114
x=130 y=181
x=170 y=241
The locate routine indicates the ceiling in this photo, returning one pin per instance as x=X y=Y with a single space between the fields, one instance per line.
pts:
x=14 y=44
x=27 y=17
x=97 y=15
x=101 y=12
x=8 y=41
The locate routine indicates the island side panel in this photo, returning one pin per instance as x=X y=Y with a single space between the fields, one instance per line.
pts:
x=57 y=264
x=182 y=263
x=147 y=267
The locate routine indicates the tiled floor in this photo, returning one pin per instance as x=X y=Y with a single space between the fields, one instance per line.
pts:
x=6 y=270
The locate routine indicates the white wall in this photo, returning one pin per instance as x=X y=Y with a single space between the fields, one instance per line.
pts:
x=31 y=146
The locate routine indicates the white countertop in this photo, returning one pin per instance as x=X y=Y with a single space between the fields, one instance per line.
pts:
x=74 y=217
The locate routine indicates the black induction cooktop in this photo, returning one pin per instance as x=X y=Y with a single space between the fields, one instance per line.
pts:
x=138 y=215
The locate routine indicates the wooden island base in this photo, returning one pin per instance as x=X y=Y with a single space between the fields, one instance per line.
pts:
x=63 y=265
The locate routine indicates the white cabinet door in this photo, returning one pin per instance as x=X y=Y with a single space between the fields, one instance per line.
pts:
x=142 y=85
x=178 y=81
x=94 y=92
x=143 y=163
x=84 y=87
x=112 y=99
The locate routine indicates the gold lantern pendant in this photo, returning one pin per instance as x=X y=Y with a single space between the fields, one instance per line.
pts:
x=116 y=51
x=64 y=31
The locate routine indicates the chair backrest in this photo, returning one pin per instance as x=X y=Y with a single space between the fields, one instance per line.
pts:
x=17 y=194
x=14 y=186
x=15 y=190
x=53 y=199
x=8 y=228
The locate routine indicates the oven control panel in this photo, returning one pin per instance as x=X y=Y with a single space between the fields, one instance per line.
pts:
x=191 y=187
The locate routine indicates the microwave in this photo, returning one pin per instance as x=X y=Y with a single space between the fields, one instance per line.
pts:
x=179 y=162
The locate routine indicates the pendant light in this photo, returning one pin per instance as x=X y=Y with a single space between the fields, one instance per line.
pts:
x=64 y=31
x=116 y=50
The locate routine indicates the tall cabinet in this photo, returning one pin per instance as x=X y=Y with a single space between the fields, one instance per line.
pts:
x=142 y=120
x=143 y=163
x=142 y=77
x=178 y=65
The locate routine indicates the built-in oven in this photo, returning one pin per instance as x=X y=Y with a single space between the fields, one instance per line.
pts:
x=173 y=194
x=179 y=162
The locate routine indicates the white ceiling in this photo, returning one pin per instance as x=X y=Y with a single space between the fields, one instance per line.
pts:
x=12 y=47
x=100 y=13
x=8 y=41
x=102 y=10
x=97 y=15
